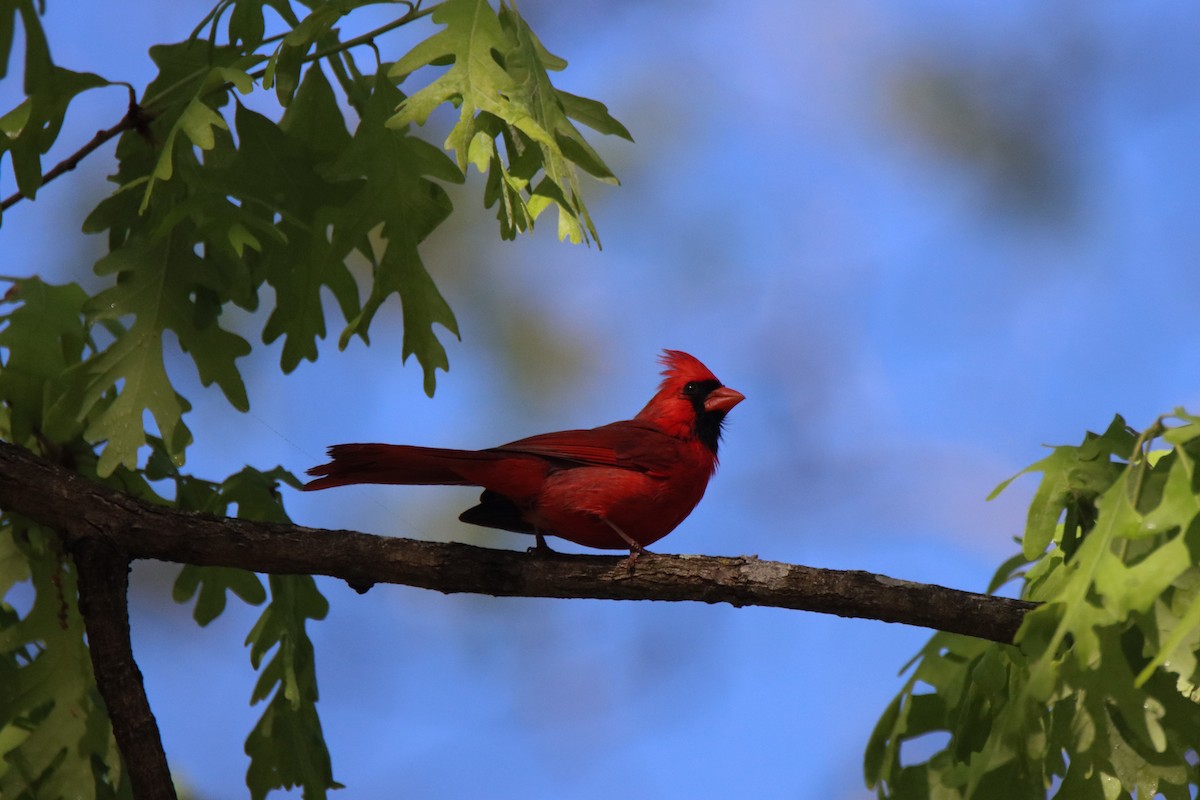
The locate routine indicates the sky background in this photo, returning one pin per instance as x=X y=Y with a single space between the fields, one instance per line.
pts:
x=923 y=238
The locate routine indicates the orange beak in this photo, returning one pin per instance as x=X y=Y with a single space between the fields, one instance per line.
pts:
x=722 y=399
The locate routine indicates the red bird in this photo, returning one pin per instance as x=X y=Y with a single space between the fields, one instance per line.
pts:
x=623 y=485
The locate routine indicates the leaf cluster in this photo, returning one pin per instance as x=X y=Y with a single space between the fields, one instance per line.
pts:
x=499 y=79
x=1098 y=696
x=220 y=205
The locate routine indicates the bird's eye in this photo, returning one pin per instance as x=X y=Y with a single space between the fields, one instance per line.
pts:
x=691 y=388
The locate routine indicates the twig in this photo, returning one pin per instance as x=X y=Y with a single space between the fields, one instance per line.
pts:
x=135 y=119
x=413 y=13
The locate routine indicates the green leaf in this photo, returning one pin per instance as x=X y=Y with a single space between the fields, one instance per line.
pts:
x=1007 y=572
x=294 y=599
x=135 y=363
x=498 y=78
x=592 y=113
x=527 y=62
x=286 y=747
x=53 y=726
x=278 y=171
x=247 y=25
x=12 y=123
x=874 y=758
x=8 y=15
x=155 y=287
x=246 y=22
x=475 y=79
x=43 y=336
x=398 y=197
x=283 y=68
x=1072 y=477
x=198 y=121
x=185 y=72
x=33 y=126
x=209 y=586
x=1100 y=691
x=256 y=495
x=14 y=567
x=315 y=119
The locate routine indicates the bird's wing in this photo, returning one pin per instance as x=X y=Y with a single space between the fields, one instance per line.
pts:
x=631 y=445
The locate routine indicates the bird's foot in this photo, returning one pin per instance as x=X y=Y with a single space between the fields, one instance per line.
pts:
x=541 y=548
x=636 y=551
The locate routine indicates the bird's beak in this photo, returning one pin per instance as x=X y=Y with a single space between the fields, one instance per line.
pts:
x=722 y=399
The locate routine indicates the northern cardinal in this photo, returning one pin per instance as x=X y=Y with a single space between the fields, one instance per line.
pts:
x=623 y=485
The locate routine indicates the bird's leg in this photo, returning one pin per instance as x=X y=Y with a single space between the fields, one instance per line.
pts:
x=635 y=549
x=541 y=548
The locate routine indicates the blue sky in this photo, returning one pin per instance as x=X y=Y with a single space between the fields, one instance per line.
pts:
x=923 y=238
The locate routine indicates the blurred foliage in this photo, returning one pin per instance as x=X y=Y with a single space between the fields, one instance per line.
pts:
x=218 y=205
x=1098 y=696
x=1005 y=127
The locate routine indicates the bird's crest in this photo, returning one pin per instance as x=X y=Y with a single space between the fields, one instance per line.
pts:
x=681 y=366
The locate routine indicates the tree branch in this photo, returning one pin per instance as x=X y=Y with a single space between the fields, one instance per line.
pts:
x=81 y=509
x=135 y=118
x=103 y=581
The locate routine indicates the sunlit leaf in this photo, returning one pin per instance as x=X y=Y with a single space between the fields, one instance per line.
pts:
x=499 y=74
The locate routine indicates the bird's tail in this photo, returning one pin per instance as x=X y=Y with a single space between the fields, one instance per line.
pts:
x=392 y=463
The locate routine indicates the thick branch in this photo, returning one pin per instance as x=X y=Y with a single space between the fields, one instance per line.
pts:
x=81 y=509
x=103 y=582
